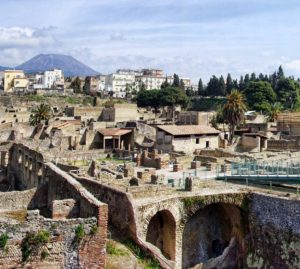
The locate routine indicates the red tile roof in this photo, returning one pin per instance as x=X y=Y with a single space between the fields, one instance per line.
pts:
x=113 y=131
x=188 y=129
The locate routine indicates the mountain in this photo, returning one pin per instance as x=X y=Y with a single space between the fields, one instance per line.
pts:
x=70 y=66
x=2 y=68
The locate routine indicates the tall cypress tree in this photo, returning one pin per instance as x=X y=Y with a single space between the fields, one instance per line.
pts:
x=229 y=84
x=241 y=84
x=222 y=86
x=176 y=81
x=201 y=90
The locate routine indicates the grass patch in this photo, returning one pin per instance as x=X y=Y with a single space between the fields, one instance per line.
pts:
x=19 y=215
x=144 y=258
x=192 y=201
x=113 y=249
x=94 y=229
x=3 y=240
x=79 y=233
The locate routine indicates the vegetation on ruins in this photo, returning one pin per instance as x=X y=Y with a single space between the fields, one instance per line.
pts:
x=113 y=249
x=94 y=229
x=149 y=262
x=3 y=240
x=79 y=233
x=32 y=242
x=40 y=114
x=234 y=111
x=274 y=111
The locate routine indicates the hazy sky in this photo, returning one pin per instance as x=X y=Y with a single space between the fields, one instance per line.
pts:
x=189 y=37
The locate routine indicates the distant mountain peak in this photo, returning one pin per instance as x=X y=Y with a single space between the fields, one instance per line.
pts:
x=67 y=63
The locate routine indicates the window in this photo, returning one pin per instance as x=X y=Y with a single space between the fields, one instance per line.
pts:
x=197 y=140
x=207 y=144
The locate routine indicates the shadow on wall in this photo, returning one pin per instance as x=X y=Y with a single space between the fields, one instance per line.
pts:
x=208 y=233
x=162 y=233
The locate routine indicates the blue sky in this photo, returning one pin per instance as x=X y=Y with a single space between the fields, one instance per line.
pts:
x=192 y=38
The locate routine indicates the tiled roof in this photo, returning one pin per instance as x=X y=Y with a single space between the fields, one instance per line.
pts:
x=188 y=129
x=113 y=131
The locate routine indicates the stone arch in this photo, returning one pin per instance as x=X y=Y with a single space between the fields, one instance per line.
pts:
x=161 y=233
x=213 y=235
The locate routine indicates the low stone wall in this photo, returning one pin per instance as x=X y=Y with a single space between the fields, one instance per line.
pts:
x=282 y=145
x=61 y=250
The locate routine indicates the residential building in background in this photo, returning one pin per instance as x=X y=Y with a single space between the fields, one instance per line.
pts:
x=116 y=83
x=15 y=80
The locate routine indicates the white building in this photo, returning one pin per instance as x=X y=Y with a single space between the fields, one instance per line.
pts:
x=117 y=83
x=52 y=78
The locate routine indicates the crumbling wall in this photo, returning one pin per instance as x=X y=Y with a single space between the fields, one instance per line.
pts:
x=61 y=249
x=274 y=232
x=120 y=204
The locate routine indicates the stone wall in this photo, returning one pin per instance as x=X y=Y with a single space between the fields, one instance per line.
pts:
x=274 y=229
x=17 y=200
x=121 y=212
x=61 y=250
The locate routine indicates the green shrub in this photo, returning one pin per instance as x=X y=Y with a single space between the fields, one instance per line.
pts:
x=112 y=249
x=3 y=240
x=94 y=229
x=42 y=237
x=32 y=242
x=79 y=233
x=149 y=262
x=44 y=254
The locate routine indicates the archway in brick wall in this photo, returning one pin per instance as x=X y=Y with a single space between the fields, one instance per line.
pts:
x=161 y=233
x=214 y=233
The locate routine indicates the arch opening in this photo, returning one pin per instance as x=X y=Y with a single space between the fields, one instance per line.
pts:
x=213 y=236
x=161 y=233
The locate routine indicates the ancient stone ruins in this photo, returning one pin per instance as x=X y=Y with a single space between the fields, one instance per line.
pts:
x=69 y=185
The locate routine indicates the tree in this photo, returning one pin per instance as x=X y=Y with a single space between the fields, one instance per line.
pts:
x=213 y=87
x=149 y=98
x=201 y=90
x=173 y=96
x=273 y=112
x=190 y=92
x=165 y=84
x=241 y=84
x=288 y=93
x=40 y=114
x=142 y=86
x=253 y=77
x=260 y=95
x=76 y=85
x=234 y=111
x=280 y=73
x=176 y=81
x=222 y=86
x=229 y=84
x=181 y=84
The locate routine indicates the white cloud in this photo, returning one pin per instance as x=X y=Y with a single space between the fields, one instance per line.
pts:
x=24 y=37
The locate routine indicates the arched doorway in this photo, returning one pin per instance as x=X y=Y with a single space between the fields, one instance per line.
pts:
x=162 y=232
x=209 y=232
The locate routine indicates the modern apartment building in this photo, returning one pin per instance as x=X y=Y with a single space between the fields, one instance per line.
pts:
x=14 y=80
x=117 y=83
x=52 y=77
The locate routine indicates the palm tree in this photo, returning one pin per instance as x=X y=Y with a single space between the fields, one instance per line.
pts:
x=273 y=112
x=39 y=114
x=234 y=111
